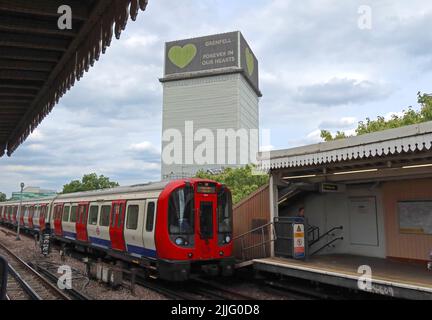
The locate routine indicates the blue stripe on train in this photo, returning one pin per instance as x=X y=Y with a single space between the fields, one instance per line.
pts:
x=69 y=235
x=141 y=251
x=135 y=250
x=100 y=242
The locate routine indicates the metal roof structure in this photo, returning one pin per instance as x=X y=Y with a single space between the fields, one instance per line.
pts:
x=39 y=62
x=378 y=145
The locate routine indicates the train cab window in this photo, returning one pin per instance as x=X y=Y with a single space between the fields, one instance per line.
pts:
x=66 y=214
x=150 y=216
x=224 y=212
x=181 y=211
x=93 y=216
x=105 y=216
x=206 y=220
x=132 y=217
x=73 y=214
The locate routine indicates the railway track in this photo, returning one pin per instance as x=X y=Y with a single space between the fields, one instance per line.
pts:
x=211 y=288
x=73 y=293
x=25 y=283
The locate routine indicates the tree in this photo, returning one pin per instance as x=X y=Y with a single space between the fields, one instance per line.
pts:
x=89 y=182
x=408 y=117
x=2 y=197
x=240 y=181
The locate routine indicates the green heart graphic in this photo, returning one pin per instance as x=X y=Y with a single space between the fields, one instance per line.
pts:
x=250 y=62
x=181 y=57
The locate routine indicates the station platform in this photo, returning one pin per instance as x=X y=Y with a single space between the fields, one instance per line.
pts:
x=390 y=278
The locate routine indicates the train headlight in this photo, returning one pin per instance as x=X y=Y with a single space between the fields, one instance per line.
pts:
x=227 y=239
x=179 y=241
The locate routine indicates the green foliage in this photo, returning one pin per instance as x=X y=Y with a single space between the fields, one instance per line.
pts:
x=408 y=117
x=327 y=136
x=241 y=181
x=89 y=182
x=2 y=197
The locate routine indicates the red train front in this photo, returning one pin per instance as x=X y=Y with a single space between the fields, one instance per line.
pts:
x=194 y=229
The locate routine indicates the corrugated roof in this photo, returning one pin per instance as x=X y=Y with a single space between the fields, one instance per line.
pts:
x=417 y=137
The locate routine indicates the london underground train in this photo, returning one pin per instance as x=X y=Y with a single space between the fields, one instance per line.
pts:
x=174 y=228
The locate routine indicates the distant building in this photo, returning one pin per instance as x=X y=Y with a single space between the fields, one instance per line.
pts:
x=210 y=87
x=33 y=193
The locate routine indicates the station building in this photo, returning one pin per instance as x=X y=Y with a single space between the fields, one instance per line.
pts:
x=367 y=203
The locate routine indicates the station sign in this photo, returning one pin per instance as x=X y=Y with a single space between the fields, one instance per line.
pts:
x=215 y=52
x=327 y=187
x=299 y=241
x=45 y=243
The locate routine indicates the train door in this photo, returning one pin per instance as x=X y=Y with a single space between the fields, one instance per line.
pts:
x=58 y=214
x=117 y=225
x=26 y=214
x=133 y=231
x=42 y=216
x=21 y=210
x=149 y=225
x=206 y=241
x=30 y=217
x=14 y=215
x=81 y=223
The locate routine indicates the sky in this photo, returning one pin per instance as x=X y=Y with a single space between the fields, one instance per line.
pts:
x=318 y=70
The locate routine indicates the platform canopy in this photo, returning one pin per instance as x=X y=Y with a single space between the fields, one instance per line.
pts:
x=39 y=62
x=380 y=154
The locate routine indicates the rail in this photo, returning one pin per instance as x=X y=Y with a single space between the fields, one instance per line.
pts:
x=326 y=245
x=325 y=234
x=28 y=278
x=248 y=241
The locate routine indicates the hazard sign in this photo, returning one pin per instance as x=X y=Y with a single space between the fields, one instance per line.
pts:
x=298 y=241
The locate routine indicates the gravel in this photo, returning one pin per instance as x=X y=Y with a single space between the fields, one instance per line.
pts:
x=28 y=250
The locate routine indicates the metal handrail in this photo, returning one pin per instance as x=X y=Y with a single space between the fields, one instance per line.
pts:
x=263 y=242
x=325 y=234
x=253 y=230
x=326 y=245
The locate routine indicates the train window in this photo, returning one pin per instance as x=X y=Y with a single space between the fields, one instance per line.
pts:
x=73 y=214
x=93 y=217
x=132 y=217
x=224 y=212
x=180 y=211
x=206 y=220
x=150 y=216
x=120 y=217
x=105 y=216
x=66 y=214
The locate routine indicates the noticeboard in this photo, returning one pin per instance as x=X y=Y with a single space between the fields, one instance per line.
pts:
x=298 y=241
x=415 y=217
x=213 y=52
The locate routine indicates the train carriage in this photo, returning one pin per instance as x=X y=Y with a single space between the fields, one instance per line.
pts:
x=174 y=228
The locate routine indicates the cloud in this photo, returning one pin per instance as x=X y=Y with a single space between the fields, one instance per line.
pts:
x=340 y=123
x=317 y=70
x=341 y=92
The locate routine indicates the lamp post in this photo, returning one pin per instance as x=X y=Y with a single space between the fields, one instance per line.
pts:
x=19 y=212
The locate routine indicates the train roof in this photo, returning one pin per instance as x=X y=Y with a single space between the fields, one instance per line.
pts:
x=154 y=186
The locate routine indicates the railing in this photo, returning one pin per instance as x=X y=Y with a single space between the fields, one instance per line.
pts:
x=255 y=243
x=329 y=243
